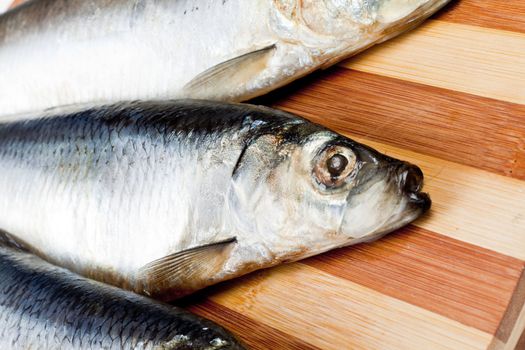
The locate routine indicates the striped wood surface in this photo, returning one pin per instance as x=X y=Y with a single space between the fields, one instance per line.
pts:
x=450 y=97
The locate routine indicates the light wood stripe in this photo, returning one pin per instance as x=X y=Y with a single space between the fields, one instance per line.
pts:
x=460 y=281
x=521 y=342
x=253 y=333
x=506 y=15
x=469 y=204
x=333 y=313
x=480 y=61
x=402 y=113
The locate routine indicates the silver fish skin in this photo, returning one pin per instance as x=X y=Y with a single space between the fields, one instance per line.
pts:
x=46 y=307
x=165 y=198
x=61 y=52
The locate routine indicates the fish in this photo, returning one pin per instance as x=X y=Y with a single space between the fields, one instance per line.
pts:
x=69 y=52
x=168 y=197
x=43 y=306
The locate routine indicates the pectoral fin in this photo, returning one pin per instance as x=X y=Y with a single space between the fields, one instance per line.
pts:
x=233 y=72
x=185 y=271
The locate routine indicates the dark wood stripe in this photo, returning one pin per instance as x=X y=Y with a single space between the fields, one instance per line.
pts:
x=497 y=14
x=516 y=304
x=476 y=131
x=254 y=334
x=463 y=282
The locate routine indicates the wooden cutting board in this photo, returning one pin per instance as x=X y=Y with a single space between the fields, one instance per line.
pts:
x=450 y=97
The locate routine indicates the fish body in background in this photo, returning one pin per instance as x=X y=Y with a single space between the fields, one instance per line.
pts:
x=46 y=307
x=165 y=198
x=62 y=52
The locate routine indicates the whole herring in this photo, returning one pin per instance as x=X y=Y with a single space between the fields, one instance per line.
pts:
x=61 y=52
x=165 y=198
x=46 y=307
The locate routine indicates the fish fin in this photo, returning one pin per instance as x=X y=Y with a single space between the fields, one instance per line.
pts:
x=186 y=268
x=233 y=72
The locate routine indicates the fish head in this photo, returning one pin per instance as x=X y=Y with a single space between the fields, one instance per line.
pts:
x=368 y=12
x=305 y=190
x=335 y=17
x=336 y=29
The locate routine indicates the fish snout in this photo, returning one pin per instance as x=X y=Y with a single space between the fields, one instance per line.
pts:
x=410 y=179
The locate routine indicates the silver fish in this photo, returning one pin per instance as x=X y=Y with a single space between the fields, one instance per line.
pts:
x=165 y=198
x=62 y=52
x=46 y=307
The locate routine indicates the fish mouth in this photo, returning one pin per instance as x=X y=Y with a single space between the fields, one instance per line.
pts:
x=420 y=200
x=410 y=180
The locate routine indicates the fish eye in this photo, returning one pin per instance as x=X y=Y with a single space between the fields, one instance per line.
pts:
x=336 y=164
x=333 y=165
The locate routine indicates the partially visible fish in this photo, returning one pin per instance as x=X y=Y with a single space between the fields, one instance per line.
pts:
x=46 y=307
x=165 y=198
x=61 y=52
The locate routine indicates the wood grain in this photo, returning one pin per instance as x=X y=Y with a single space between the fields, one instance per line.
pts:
x=521 y=342
x=475 y=60
x=460 y=281
x=512 y=324
x=347 y=101
x=253 y=333
x=505 y=15
x=334 y=313
x=517 y=333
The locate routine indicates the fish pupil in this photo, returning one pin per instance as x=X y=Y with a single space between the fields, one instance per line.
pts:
x=336 y=164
